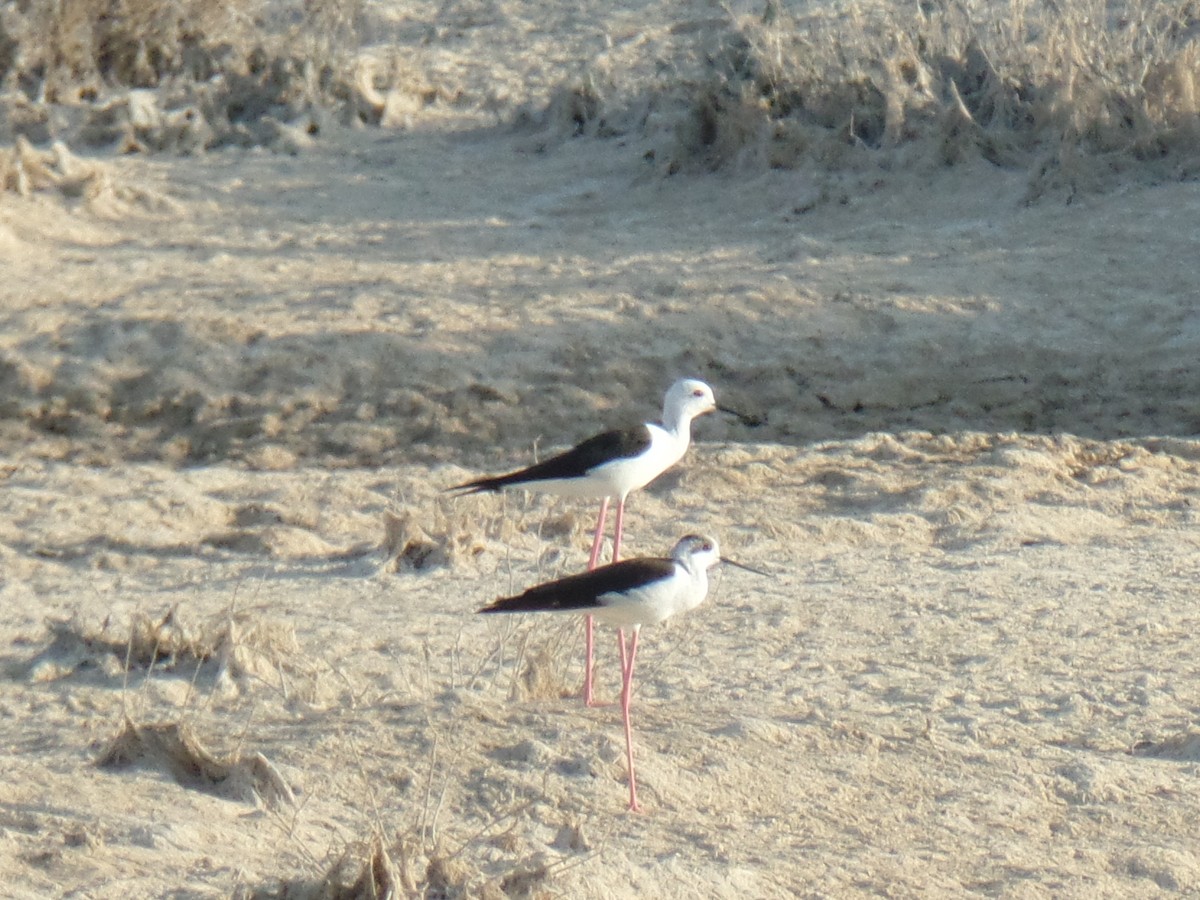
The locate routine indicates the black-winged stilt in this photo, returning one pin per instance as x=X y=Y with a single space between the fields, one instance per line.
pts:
x=611 y=465
x=629 y=594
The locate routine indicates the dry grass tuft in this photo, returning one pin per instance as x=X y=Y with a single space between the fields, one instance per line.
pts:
x=362 y=872
x=173 y=748
x=177 y=75
x=447 y=876
x=391 y=92
x=240 y=649
x=251 y=650
x=541 y=671
x=25 y=170
x=526 y=881
x=162 y=643
x=68 y=50
x=573 y=110
x=1184 y=747
x=1076 y=94
x=374 y=870
x=407 y=544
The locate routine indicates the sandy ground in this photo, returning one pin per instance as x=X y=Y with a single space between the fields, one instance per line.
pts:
x=969 y=464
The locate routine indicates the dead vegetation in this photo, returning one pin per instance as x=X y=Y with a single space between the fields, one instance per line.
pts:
x=443 y=531
x=1075 y=93
x=445 y=539
x=180 y=76
x=61 y=52
x=173 y=748
x=373 y=870
x=237 y=650
x=149 y=642
x=25 y=170
x=1184 y=747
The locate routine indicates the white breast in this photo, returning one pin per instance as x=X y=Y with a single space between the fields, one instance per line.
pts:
x=654 y=603
x=629 y=474
x=619 y=477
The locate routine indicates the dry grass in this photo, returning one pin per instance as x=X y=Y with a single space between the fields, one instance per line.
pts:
x=205 y=74
x=443 y=540
x=1183 y=746
x=374 y=869
x=236 y=650
x=149 y=642
x=421 y=856
x=1074 y=92
x=454 y=825
x=75 y=49
x=25 y=170
x=68 y=50
x=173 y=748
x=1077 y=94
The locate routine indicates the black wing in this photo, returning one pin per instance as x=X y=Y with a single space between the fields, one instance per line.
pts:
x=582 y=591
x=573 y=463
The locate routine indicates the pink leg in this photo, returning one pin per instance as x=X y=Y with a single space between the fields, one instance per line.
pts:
x=626 y=699
x=620 y=528
x=589 y=640
x=589 y=627
x=598 y=540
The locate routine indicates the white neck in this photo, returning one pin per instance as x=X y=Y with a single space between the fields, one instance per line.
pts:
x=698 y=588
x=678 y=424
x=672 y=443
x=696 y=568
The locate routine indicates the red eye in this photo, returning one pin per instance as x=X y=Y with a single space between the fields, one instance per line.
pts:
x=697 y=393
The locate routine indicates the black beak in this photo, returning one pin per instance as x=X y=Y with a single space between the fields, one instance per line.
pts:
x=748 y=420
x=733 y=562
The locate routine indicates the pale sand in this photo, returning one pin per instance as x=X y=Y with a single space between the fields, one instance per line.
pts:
x=985 y=559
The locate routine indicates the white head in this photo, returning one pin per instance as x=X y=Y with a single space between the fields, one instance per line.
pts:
x=687 y=399
x=697 y=552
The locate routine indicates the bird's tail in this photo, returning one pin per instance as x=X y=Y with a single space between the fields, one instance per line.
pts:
x=511 y=605
x=478 y=486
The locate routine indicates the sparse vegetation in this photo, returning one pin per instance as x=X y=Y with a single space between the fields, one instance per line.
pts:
x=25 y=170
x=73 y=49
x=1074 y=92
x=236 y=649
x=373 y=870
x=177 y=75
x=173 y=748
